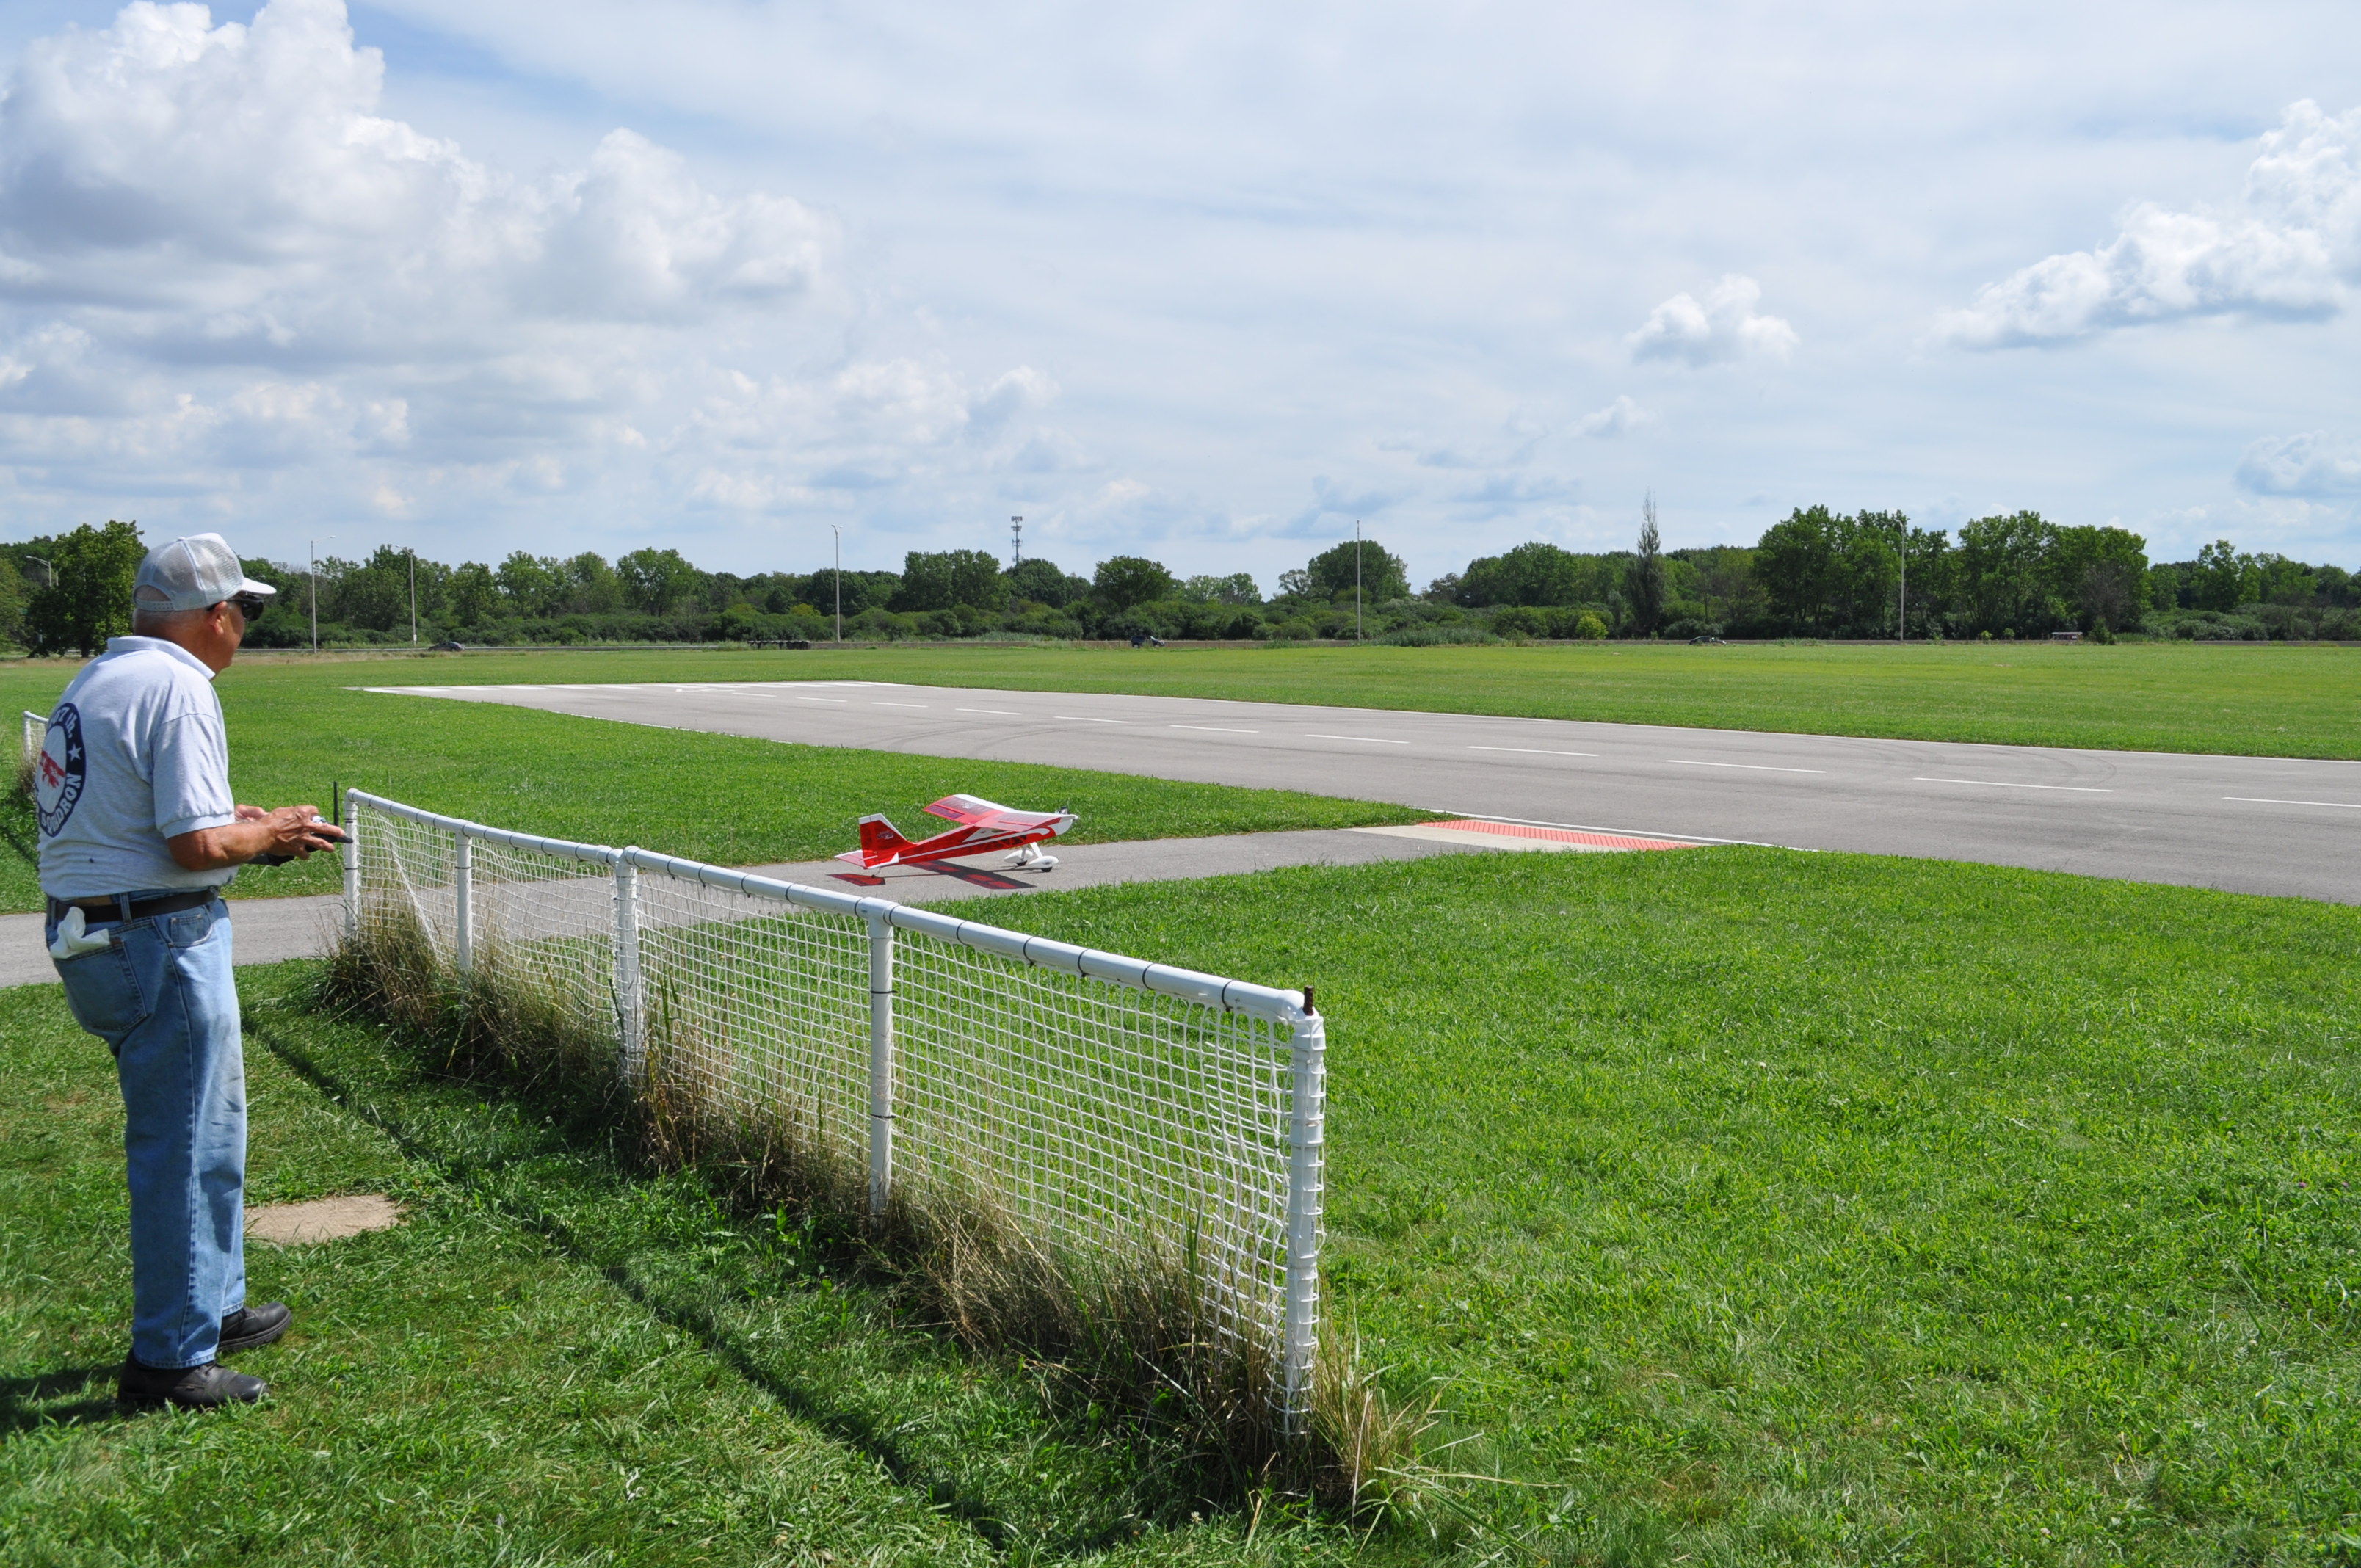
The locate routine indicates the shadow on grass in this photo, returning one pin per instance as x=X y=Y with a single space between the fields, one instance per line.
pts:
x=583 y=1127
x=48 y=1398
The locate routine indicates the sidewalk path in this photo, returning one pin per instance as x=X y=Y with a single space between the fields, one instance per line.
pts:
x=267 y=930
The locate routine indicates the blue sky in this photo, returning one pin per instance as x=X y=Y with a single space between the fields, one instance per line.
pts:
x=1208 y=284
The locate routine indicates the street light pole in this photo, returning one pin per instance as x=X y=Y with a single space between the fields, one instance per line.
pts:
x=1902 y=615
x=1356 y=580
x=413 y=598
x=839 y=532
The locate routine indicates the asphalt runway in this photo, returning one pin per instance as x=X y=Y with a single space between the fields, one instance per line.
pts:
x=2245 y=824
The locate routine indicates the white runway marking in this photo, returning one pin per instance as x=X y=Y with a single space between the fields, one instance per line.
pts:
x=918 y=705
x=1078 y=719
x=1751 y=767
x=1533 y=751
x=995 y=712
x=1214 y=729
x=838 y=700
x=1999 y=784
x=2261 y=800
x=1370 y=739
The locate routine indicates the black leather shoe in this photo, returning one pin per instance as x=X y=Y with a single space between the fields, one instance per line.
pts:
x=250 y=1328
x=204 y=1388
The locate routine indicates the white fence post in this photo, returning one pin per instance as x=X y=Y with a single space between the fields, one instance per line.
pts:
x=627 y=967
x=881 y=1067
x=463 y=893
x=29 y=734
x=1306 y=1134
x=351 y=850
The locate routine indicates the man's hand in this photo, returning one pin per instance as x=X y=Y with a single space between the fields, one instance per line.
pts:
x=290 y=832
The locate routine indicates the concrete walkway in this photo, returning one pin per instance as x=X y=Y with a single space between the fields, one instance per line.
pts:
x=266 y=930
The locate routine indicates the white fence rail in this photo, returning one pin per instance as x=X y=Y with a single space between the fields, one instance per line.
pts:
x=36 y=733
x=1099 y=1098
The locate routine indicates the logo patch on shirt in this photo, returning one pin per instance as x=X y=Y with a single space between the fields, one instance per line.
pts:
x=61 y=771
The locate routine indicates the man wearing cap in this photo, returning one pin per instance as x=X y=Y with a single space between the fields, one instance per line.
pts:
x=138 y=836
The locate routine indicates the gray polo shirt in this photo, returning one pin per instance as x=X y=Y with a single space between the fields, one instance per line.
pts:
x=136 y=755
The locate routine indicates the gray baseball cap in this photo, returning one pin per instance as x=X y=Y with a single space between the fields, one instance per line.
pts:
x=193 y=572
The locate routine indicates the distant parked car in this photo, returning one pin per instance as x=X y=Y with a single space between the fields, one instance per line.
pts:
x=447 y=646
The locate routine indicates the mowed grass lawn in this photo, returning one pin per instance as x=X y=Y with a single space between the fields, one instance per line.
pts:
x=1745 y=1206
x=296 y=731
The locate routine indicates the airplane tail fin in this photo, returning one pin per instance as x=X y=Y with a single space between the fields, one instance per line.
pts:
x=880 y=843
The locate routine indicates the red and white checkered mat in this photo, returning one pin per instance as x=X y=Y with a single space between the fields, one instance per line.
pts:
x=1581 y=836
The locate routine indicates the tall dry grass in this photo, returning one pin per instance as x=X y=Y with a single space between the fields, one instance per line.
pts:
x=1129 y=1330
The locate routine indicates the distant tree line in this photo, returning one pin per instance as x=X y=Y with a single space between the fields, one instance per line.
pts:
x=1817 y=573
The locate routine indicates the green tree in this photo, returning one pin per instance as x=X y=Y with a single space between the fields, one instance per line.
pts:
x=375 y=594
x=1722 y=584
x=90 y=599
x=2223 y=579
x=1932 y=580
x=2004 y=577
x=1384 y=578
x=949 y=578
x=592 y=586
x=1796 y=565
x=1123 y=581
x=1237 y=588
x=2100 y=574
x=1044 y=581
x=1865 y=569
x=1533 y=573
x=2287 y=582
x=12 y=600
x=1643 y=575
x=531 y=584
x=475 y=593
x=656 y=581
x=863 y=590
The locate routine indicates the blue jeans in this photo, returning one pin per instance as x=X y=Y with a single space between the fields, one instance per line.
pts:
x=162 y=997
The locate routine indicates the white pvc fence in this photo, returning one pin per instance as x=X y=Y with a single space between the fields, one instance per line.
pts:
x=1100 y=1099
x=36 y=733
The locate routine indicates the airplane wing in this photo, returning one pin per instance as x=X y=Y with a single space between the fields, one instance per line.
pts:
x=974 y=811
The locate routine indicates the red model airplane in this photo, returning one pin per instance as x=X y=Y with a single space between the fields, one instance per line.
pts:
x=983 y=826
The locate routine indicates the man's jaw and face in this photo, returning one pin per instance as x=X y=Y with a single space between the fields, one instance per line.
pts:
x=213 y=634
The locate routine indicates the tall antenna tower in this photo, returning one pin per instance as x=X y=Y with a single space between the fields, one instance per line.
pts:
x=1016 y=542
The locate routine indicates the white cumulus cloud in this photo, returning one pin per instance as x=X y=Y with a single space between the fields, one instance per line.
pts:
x=2309 y=464
x=233 y=188
x=2290 y=246
x=1720 y=328
x=1617 y=418
x=223 y=268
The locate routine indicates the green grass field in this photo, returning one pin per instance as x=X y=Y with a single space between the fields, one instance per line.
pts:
x=548 y=1362
x=1746 y=1206
x=2263 y=700
x=296 y=731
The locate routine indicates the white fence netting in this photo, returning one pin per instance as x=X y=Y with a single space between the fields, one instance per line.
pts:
x=1102 y=1101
